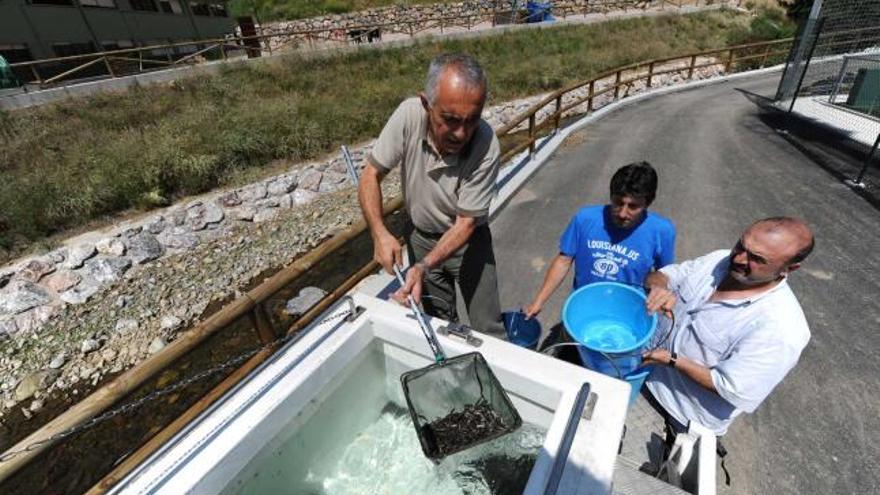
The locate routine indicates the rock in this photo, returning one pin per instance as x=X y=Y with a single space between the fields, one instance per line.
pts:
x=156 y=345
x=57 y=256
x=27 y=414
x=81 y=293
x=58 y=361
x=108 y=354
x=267 y=203
x=107 y=269
x=310 y=180
x=34 y=270
x=178 y=238
x=5 y=277
x=332 y=181
x=21 y=295
x=62 y=281
x=285 y=201
x=89 y=345
x=308 y=297
x=244 y=213
x=252 y=192
x=282 y=185
x=176 y=217
x=229 y=200
x=156 y=225
x=8 y=327
x=123 y=301
x=126 y=325
x=110 y=246
x=170 y=323
x=79 y=254
x=265 y=215
x=200 y=215
x=36 y=405
x=34 y=319
x=303 y=197
x=144 y=247
x=33 y=383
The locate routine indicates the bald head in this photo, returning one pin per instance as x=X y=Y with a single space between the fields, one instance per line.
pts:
x=795 y=238
x=456 y=72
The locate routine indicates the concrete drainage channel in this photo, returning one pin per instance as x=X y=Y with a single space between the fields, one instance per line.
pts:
x=77 y=463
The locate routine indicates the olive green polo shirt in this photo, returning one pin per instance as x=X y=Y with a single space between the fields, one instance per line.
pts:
x=438 y=188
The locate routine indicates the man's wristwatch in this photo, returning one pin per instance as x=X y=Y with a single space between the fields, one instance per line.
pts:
x=672 y=359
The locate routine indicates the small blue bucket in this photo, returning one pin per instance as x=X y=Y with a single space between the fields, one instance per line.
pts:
x=520 y=331
x=636 y=379
x=610 y=322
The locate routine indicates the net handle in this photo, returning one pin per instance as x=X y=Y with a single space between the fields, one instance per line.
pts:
x=427 y=331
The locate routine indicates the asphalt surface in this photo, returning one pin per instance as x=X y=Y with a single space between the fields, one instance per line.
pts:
x=723 y=164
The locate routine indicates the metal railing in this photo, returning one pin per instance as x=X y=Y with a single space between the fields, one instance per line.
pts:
x=130 y=61
x=613 y=82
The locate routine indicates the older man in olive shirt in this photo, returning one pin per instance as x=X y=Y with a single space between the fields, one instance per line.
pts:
x=449 y=159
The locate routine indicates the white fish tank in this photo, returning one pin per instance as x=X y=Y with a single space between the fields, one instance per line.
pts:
x=326 y=415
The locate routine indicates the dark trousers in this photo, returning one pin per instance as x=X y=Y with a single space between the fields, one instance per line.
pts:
x=473 y=269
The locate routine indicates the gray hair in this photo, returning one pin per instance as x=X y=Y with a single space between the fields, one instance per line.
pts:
x=464 y=65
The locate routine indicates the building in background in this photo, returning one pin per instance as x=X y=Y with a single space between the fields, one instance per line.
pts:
x=39 y=29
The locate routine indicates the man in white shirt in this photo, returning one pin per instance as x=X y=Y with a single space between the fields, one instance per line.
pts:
x=739 y=328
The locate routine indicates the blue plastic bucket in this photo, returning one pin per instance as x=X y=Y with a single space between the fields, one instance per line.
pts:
x=636 y=379
x=520 y=331
x=610 y=322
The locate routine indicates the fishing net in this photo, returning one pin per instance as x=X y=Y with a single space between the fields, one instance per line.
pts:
x=457 y=404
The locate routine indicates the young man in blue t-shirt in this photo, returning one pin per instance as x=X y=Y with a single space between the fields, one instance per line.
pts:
x=619 y=242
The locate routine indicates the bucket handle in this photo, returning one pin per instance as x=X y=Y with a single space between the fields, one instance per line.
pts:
x=609 y=358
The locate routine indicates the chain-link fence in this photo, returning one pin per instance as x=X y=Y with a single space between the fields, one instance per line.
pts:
x=833 y=29
x=858 y=85
x=832 y=77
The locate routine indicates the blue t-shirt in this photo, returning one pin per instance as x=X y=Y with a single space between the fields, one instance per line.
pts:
x=602 y=251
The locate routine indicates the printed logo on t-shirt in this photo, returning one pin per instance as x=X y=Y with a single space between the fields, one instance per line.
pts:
x=609 y=258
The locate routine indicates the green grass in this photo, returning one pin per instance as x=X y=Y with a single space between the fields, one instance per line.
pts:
x=268 y=10
x=64 y=165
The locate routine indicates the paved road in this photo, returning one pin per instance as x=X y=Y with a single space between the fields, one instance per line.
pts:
x=720 y=168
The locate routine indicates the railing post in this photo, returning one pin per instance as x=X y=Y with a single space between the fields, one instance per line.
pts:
x=223 y=51
x=262 y=324
x=531 y=135
x=766 y=54
x=590 y=98
x=617 y=85
x=558 y=111
x=650 y=73
x=109 y=67
x=729 y=63
x=36 y=74
x=691 y=68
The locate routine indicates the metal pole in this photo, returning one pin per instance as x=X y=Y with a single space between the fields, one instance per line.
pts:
x=807 y=63
x=858 y=181
x=836 y=89
x=349 y=164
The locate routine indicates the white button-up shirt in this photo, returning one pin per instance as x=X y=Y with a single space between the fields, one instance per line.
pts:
x=748 y=344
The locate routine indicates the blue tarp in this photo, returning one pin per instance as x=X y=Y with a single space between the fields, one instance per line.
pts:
x=539 y=12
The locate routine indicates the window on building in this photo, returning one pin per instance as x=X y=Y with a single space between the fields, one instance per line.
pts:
x=199 y=8
x=15 y=53
x=170 y=6
x=218 y=10
x=52 y=2
x=107 y=4
x=70 y=49
x=147 y=5
x=109 y=46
